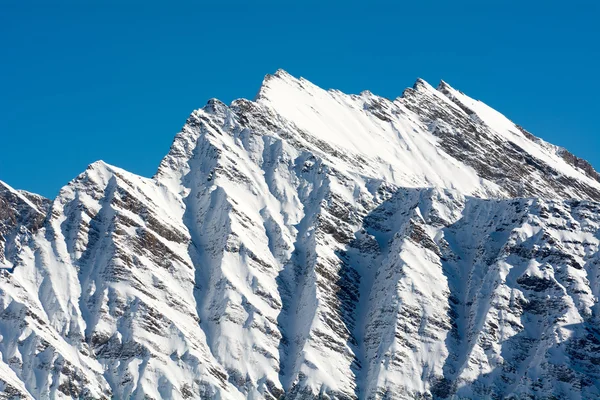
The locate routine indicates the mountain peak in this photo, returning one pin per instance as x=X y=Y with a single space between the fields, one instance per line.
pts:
x=99 y=164
x=98 y=171
x=421 y=83
x=312 y=244
x=445 y=88
x=281 y=73
x=215 y=106
x=443 y=85
x=279 y=79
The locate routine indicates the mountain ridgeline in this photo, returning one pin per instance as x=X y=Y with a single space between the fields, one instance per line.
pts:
x=311 y=244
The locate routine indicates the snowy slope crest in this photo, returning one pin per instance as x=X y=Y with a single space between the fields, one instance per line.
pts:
x=312 y=244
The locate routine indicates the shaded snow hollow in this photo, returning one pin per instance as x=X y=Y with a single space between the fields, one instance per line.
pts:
x=312 y=244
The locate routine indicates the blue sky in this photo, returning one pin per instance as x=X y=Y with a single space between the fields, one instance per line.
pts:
x=82 y=81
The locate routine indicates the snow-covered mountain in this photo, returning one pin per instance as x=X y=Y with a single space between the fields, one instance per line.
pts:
x=312 y=244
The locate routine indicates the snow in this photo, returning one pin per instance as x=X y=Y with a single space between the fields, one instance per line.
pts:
x=400 y=150
x=509 y=131
x=311 y=243
x=19 y=194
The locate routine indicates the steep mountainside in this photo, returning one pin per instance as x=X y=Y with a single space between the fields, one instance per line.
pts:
x=312 y=244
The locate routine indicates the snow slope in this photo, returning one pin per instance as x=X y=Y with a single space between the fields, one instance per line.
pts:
x=311 y=244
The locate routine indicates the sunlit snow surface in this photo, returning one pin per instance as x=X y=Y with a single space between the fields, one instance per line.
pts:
x=312 y=244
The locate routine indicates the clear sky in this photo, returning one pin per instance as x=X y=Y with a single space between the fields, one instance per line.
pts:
x=82 y=81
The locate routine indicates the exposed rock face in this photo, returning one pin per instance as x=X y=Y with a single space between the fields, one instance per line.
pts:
x=312 y=244
x=21 y=213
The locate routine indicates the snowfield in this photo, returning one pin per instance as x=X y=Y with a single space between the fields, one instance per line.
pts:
x=312 y=244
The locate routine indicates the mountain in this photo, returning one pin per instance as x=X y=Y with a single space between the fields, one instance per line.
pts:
x=312 y=244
